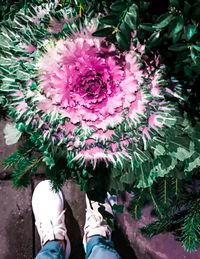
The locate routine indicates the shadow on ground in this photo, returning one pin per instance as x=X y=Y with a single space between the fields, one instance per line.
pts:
x=74 y=233
x=122 y=245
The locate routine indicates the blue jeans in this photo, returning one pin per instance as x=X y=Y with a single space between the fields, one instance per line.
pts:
x=97 y=248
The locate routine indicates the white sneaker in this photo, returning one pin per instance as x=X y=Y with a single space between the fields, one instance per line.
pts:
x=95 y=224
x=48 y=209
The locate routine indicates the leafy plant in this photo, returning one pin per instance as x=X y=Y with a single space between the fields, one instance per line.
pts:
x=161 y=164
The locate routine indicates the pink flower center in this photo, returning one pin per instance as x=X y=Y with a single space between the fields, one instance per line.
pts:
x=91 y=87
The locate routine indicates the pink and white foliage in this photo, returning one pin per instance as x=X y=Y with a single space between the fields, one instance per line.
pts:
x=88 y=84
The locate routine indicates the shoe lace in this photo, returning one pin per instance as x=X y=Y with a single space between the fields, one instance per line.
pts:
x=95 y=220
x=48 y=229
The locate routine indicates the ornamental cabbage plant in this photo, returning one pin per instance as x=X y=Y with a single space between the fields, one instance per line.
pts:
x=80 y=96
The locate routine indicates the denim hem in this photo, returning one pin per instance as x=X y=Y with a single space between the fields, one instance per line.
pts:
x=52 y=250
x=100 y=242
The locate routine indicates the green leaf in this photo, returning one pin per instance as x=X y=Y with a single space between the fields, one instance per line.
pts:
x=190 y=30
x=22 y=75
x=118 y=208
x=141 y=156
x=143 y=175
x=109 y=20
x=103 y=32
x=162 y=166
x=128 y=24
x=159 y=151
x=178 y=26
x=176 y=37
x=196 y=47
x=167 y=120
x=176 y=141
x=123 y=36
x=49 y=161
x=153 y=39
x=146 y=27
x=165 y=20
x=183 y=154
x=178 y=47
x=33 y=86
x=118 y=6
x=128 y=177
x=192 y=163
x=192 y=54
x=131 y=17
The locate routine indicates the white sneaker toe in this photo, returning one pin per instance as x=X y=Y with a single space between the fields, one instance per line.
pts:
x=48 y=209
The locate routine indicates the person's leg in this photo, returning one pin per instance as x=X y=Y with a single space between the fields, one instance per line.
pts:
x=100 y=248
x=97 y=234
x=48 y=209
x=51 y=250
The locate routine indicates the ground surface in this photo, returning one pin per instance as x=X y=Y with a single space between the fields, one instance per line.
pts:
x=19 y=238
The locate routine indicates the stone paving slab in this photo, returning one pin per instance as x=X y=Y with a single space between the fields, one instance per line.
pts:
x=15 y=222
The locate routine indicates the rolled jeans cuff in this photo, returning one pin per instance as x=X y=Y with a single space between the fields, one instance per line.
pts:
x=103 y=249
x=51 y=250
